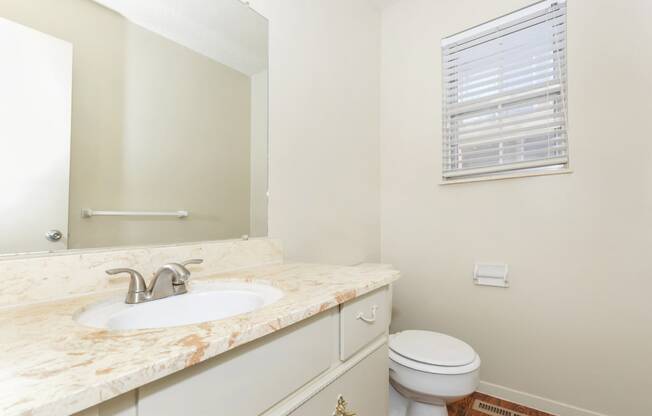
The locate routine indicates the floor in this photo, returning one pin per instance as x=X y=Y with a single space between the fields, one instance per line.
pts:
x=465 y=407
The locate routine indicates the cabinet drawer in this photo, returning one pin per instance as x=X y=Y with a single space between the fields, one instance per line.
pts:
x=362 y=320
x=364 y=388
x=249 y=379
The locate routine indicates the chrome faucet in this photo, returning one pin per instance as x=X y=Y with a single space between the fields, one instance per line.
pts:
x=169 y=280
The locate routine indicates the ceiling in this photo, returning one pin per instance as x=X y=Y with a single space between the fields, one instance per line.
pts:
x=224 y=30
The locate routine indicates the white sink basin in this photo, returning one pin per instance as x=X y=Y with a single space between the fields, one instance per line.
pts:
x=204 y=302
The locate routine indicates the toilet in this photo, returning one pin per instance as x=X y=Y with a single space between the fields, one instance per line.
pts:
x=427 y=370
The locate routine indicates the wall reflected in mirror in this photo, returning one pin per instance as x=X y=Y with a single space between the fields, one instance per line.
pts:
x=144 y=111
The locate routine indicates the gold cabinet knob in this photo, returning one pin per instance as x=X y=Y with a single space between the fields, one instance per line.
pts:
x=340 y=409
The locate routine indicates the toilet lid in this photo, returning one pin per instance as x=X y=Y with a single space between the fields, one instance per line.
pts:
x=432 y=348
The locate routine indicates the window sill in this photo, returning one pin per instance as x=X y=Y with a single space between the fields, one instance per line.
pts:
x=501 y=176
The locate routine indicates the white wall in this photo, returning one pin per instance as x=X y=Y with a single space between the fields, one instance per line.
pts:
x=576 y=324
x=324 y=109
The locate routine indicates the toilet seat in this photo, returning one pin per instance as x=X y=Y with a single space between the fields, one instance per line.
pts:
x=434 y=369
x=432 y=352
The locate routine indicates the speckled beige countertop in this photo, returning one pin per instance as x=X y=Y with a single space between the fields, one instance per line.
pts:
x=51 y=365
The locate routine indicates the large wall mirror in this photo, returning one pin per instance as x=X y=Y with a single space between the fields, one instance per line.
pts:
x=127 y=123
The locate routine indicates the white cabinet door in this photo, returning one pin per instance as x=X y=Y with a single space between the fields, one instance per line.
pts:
x=35 y=119
x=123 y=405
x=364 y=388
x=249 y=379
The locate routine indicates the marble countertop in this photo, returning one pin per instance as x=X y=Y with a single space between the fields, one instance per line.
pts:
x=51 y=365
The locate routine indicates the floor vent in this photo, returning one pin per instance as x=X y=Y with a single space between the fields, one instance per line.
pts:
x=493 y=410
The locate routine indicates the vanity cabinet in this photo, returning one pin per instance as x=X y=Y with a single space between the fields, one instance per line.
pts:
x=361 y=391
x=363 y=320
x=302 y=370
x=249 y=379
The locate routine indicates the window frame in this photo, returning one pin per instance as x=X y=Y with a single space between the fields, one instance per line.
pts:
x=526 y=167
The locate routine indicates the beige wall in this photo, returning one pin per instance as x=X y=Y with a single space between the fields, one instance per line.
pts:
x=576 y=324
x=148 y=130
x=259 y=154
x=324 y=95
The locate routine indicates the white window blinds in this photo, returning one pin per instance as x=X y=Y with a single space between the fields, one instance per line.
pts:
x=504 y=94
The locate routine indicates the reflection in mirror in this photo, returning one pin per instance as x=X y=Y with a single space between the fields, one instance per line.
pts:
x=131 y=123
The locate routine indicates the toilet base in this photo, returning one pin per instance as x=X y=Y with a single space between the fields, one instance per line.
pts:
x=424 y=409
x=401 y=406
x=397 y=404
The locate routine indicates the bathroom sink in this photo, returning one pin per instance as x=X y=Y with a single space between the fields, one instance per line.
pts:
x=204 y=302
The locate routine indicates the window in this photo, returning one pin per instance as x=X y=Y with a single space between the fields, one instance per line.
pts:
x=504 y=94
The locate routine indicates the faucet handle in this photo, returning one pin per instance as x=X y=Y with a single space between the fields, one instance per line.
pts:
x=137 y=283
x=188 y=262
x=191 y=261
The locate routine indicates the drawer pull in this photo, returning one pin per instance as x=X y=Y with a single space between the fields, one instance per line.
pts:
x=371 y=320
x=340 y=409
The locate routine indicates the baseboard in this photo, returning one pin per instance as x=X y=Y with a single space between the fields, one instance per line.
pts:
x=535 y=402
